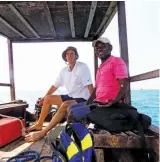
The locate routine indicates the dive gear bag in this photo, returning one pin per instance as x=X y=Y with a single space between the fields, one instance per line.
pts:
x=74 y=143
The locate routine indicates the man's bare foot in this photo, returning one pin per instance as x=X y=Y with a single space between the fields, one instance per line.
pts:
x=34 y=136
x=35 y=127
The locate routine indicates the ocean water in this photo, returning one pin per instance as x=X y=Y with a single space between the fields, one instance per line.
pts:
x=146 y=101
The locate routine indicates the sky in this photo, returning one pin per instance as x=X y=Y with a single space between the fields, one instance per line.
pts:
x=37 y=65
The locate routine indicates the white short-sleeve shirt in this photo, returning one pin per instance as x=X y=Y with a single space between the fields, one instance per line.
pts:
x=75 y=81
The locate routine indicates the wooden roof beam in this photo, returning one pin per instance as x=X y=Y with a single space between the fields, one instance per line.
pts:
x=70 y=10
x=49 y=18
x=90 y=19
x=107 y=18
x=108 y=21
x=11 y=27
x=17 y=13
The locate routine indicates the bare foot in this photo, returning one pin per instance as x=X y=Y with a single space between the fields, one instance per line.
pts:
x=32 y=137
x=35 y=127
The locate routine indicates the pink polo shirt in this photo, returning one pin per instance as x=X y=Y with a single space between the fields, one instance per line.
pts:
x=107 y=85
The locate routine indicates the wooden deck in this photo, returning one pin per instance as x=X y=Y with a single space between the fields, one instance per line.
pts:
x=20 y=145
x=102 y=140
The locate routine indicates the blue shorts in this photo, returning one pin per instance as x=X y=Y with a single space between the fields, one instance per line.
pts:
x=66 y=98
x=80 y=110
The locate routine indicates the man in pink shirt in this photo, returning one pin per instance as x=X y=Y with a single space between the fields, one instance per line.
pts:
x=111 y=81
x=112 y=74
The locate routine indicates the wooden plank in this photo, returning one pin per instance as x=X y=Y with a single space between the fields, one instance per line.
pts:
x=11 y=27
x=11 y=70
x=108 y=21
x=104 y=132
x=154 y=129
x=90 y=19
x=121 y=133
x=38 y=146
x=10 y=107
x=7 y=106
x=123 y=42
x=46 y=150
x=14 y=102
x=71 y=19
x=17 y=13
x=106 y=17
x=99 y=155
x=5 y=84
x=156 y=145
x=144 y=76
x=120 y=141
x=126 y=156
x=49 y=18
x=131 y=133
x=51 y=40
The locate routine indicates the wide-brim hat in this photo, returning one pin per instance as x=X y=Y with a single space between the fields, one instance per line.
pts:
x=70 y=48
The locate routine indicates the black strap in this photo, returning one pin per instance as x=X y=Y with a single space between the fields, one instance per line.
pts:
x=58 y=146
x=143 y=142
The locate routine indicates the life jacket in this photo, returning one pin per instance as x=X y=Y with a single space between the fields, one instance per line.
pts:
x=74 y=144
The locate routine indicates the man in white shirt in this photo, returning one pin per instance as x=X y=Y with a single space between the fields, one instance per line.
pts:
x=76 y=78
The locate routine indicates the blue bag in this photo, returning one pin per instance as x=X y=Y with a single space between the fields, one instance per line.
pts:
x=74 y=144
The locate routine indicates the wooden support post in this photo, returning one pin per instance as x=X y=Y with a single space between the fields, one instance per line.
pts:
x=95 y=65
x=11 y=70
x=123 y=41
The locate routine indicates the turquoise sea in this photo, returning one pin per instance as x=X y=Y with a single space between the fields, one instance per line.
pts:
x=146 y=101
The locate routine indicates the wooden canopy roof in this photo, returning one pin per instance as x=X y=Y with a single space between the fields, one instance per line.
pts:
x=55 y=20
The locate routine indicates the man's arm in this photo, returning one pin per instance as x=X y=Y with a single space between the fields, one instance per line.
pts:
x=121 y=73
x=51 y=90
x=122 y=91
x=92 y=97
x=90 y=88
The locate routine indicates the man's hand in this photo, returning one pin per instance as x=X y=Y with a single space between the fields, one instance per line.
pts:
x=40 y=102
x=107 y=104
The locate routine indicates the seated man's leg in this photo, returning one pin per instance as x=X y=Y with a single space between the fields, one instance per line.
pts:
x=48 y=101
x=70 y=117
x=55 y=120
x=60 y=114
x=77 y=112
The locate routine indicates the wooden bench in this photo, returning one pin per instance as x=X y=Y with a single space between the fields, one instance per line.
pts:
x=129 y=140
x=16 y=109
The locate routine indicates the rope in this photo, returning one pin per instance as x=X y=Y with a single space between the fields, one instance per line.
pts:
x=28 y=156
x=11 y=117
x=25 y=156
